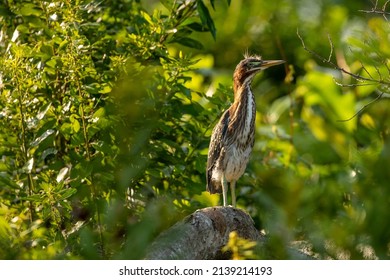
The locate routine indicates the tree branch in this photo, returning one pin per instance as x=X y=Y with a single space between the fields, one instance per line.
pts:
x=334 y=65
x=204 y=233
x=364 y=107
x=375 y=10
x=358 y=78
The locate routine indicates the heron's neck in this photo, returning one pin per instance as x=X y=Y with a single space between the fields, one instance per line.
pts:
x=241 y=86
x=244 y=111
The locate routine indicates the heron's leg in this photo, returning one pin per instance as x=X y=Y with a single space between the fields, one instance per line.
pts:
x=224 y=190
x=233 y=191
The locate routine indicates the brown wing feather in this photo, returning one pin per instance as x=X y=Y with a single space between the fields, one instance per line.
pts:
x=216 y=151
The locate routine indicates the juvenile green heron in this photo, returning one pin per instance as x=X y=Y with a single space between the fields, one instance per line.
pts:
x=233 y=137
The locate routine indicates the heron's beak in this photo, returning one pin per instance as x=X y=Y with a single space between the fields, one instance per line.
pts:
x=268 y=63
x=264 y=64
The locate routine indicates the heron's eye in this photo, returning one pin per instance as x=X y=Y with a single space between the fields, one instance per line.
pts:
x=252 y=64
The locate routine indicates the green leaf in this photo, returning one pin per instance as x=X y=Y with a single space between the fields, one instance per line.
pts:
x=212 y=2
x=75 y=125
x=5 y=233
x=47 y=152
x=101 y=112
x=205 y=17
x=196 y=26
x=27 y=168
x=5 y=11
x=167 y=4
x=147 y=17
x=61 y=174
x=188 y=42
x=36 y=22
x=44 y=135
x=51 y=63
x=81 y=170
x=29 y=9
x=46 y=52
x=186 y=91
x=105 y=89
x=66 y=130
x=22 y=28
x=43 y=111
x=63 y=44
x=68 y=193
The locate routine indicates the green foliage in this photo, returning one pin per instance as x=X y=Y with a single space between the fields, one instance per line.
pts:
x=83 y=85
x=106 y=110
x=240 y=248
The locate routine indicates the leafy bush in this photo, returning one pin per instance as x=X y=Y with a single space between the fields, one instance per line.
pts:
x=96 y=116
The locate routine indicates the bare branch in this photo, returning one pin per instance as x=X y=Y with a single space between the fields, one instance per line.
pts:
x=359 y=78
x=331 y=48
x=387 y=67
x=363 y=108
x=365 y=70
x=334 y=65
x=384 y=9
x=376 y=4
x=376 y=10
x=353 y=85
x=384 y=5
x=379 y=73
x=384 y=94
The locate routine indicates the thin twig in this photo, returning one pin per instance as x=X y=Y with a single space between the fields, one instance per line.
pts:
x=355 y=76
x=375 y=10
x=363 y=108
x=334 y=65
x=365 y=70
x=379 y=73
x=353 y=85
x=387 y=67
x=385 y=5
x=384 y=8
x=331 y=48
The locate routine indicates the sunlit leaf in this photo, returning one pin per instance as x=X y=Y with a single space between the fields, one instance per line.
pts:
x=47 y=152
x=43 y=111
x=61 y=175
x=208 y=199
x=68 y=193
x=99 y=113
x=28 y=166
x=29 y=9
x=75 y=125
x=42 y=137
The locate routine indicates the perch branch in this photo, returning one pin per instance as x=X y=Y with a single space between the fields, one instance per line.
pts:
x=205 y=232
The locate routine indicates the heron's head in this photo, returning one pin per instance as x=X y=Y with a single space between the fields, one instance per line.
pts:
x=248 y=67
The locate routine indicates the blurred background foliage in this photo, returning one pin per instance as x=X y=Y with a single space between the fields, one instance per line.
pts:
x=107 y=107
